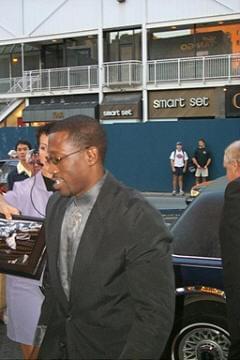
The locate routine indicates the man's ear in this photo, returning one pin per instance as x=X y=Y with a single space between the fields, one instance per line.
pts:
x=92 y=155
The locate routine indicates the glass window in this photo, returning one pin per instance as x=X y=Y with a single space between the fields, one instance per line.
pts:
x=170 y=43
x=223 y=37
x=82 y=51
x=197 y=40
x=122 y=45
x=52 y=56
x=31 y=56
x=4 y=65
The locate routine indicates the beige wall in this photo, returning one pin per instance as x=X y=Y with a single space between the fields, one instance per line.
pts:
x=11 y=120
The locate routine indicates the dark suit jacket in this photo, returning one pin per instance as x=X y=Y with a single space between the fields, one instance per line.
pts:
x=230 y=249
x=122 y=288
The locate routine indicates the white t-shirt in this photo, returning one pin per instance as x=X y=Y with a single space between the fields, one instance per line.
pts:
x=179 y=157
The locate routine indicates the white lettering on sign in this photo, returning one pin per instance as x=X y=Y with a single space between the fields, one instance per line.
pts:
x=127 y=112
x=236 y=100
x=180 y=102
x=199 y=101
x=168 y=103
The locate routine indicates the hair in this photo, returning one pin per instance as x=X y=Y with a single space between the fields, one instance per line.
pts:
x=203 y=140
x=45 y=129
x=23 y=142
x=232 y=152
x=83 y=131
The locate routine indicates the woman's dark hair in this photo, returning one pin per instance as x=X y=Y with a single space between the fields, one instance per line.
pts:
x=45 y=129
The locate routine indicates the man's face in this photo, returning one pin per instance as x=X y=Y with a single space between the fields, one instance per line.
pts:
x=22 y=150
x=73 y=174
x=179 y=147
x=201 y=144
x=232 y=170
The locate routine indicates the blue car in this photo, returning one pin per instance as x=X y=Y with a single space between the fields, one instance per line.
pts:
x=200 y=331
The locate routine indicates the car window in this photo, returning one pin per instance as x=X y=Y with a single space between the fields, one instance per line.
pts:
x=196 y=232
x=6 y=168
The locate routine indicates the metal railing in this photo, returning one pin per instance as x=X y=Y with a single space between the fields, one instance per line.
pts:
x=203 y=68
x=128 y=73
x=62 y=78
x=85 y=77
x=6 y=84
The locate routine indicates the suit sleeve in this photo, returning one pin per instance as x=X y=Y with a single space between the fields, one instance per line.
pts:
x=230 y=232
x=151 y=285
x=230 y=249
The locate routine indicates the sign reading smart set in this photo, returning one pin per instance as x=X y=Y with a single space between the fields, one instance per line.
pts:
x=119 y=111
x=233 y=101
x=184 y=103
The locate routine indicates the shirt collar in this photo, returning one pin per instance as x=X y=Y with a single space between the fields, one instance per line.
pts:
x=91 y=195
x=22 y=169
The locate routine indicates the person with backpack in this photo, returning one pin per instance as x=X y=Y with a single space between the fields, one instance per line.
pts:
x=178 y=160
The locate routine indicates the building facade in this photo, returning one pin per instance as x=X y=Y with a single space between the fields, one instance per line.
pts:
x=119 y=60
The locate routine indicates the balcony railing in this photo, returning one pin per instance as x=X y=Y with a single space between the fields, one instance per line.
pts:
x=123 y=73
x=223 y=69
x=201 y=69
x=78 y=77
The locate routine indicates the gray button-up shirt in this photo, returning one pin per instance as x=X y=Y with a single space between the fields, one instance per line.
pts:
x=74 y=222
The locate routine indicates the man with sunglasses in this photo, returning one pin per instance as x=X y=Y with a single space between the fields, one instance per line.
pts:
x=110 y=291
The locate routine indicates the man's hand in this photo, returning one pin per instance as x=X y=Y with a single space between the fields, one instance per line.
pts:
x=6 y=209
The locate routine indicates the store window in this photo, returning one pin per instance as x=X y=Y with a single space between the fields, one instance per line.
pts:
x=10 y=61
x=52 y=55
x=31 y=56
x=4 y=63
x=122 y=45
x=82 y=51
x=196 y=40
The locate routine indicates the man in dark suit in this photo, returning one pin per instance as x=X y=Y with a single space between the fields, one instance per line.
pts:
x=111 y=292
x=230 y=245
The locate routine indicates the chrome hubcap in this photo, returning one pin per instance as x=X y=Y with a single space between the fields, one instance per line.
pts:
x=202 y=342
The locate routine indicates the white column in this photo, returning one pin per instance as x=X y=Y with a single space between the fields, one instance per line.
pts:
x=144 y=63
x=22 y=56
x=100 y=53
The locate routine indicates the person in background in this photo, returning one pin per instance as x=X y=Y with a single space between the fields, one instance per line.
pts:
x=202 y=160
x=12 y=154
x=23 y=296
x=178 y=160
x=230 y=245
x=110 y=293
x=23 y=169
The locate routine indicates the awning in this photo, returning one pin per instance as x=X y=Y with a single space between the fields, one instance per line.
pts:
x=53 y=112
x=121 y=106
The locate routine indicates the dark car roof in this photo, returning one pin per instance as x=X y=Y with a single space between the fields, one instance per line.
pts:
x=196 y=232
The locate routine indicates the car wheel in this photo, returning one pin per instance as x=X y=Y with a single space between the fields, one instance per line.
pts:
x=201 y=333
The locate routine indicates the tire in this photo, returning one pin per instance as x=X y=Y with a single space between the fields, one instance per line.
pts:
x=200 y=333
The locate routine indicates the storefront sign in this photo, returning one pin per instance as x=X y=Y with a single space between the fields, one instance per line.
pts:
x=232 y=101
x=185 y=103
x=117 y=113
x=125 y=106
